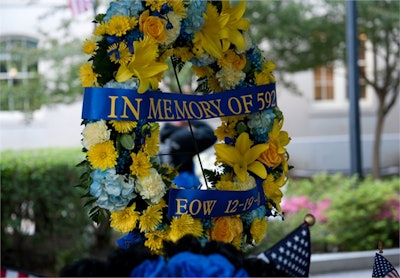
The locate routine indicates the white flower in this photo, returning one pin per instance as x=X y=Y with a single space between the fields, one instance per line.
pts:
x=151 y=187
x=173 y=33
x=229 y=77
x=95 y=133
x=248 y=184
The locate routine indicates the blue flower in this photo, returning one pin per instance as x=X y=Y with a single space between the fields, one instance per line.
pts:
x=250 y=216
x=125 y=8
x=194 y=17
x=113 y=191
x=260 y=124
x=129 y=240
x=151 y=268
x=187 y=264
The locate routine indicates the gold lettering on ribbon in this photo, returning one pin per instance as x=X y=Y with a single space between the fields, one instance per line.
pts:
x=182 y=113
x=128 y=103
x=112 y=107
x=181 y=204
x=239 y=111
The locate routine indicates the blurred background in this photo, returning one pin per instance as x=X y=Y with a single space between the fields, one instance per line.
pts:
x=42 y=215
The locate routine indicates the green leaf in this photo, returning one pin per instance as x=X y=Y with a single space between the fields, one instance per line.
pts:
x=128 y=141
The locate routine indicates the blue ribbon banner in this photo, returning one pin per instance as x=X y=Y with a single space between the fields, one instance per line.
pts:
x=155 y=106
x=214 y=203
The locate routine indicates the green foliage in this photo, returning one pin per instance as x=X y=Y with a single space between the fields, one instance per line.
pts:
x=38 y=187
x=360 y=213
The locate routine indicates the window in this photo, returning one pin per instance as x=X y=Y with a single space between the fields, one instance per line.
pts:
x=326 y=77
x=18 y=73
x=323 y=83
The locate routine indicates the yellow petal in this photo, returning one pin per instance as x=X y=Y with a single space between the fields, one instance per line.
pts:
x=254 y=153
x=241 y=172
x=123 y=74
x=243 y=143
x=258 y=168
x=227 y=154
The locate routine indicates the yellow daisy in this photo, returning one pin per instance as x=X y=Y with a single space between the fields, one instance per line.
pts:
x=119 y=53
x=150 y=218
x=185 y=225
x=103 y=155
x=89 y=47
x=154 y=241
x=140 y=164
x=118 y=25
x=124 y=220
x=87 y=75
x=123 y=126
x=151 y=146
x=258 y=229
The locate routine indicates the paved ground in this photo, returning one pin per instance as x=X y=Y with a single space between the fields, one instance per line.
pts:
x=347 y=274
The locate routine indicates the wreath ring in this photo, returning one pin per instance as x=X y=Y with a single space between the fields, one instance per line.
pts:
x=123 y=178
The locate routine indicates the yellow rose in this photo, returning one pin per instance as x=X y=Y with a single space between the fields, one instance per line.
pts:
x=271 y=157
x=226 y=228
x=152 y=26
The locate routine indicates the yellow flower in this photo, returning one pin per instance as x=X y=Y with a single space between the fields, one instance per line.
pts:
x=155 y=5
x=89 y=47
x=232 y=30
x=100 y=29
x=185 y=225
x=275 y=154
x=230 y=58
x=123 y=126
x=140 y=164
x=226 y=228
x=183 y=53
x=150 y=218
x=119 y=53
x=178 y=7
x=87 y=75
x=258 y=229
x=242 y=157
x=154 y=241
x=143 y=65
x=152 y=26
x=124 y=220
x=266 y=76
x=103 y=155
x=118 y=25
x=214 y=84
x=202 y=71
x=209 y=37
x=271 y=187
x=151 y=146
x=225 y=130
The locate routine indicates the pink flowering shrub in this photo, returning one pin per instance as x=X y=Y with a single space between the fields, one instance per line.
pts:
x=293 y=205
x=351 y=214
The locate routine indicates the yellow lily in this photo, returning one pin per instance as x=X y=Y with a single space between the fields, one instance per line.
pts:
x=209 y=37
x=242 y=157
x=143 y=65
x=236 y=23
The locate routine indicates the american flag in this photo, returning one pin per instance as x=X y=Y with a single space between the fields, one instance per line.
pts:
x=10 y=273
x=79 y=6
x=292 y=254
x=383 y=268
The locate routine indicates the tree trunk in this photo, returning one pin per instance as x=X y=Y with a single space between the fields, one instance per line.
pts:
x=376 y=163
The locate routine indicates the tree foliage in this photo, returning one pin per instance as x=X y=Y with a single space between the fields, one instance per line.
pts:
x=302 y=35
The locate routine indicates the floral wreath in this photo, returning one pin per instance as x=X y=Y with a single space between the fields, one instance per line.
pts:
x=124 y=179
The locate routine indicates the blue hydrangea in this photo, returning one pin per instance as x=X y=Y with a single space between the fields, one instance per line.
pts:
x=255 y=58
x=260 y=124
x=194 y=19
x=125 y=8
x=113 y=192
x=250 y=216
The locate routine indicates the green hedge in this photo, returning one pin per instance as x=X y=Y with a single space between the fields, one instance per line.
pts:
x=352 y=215
x=38 y=188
